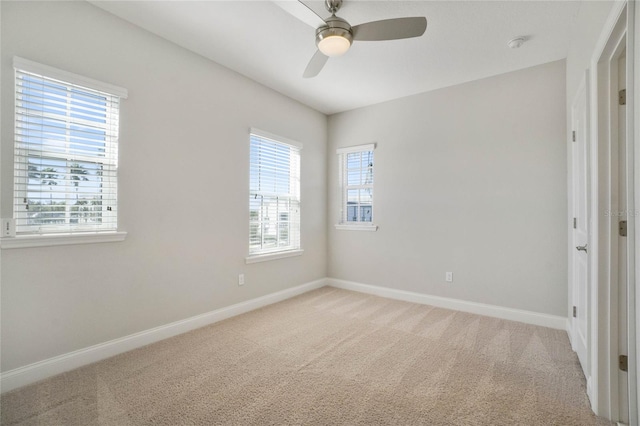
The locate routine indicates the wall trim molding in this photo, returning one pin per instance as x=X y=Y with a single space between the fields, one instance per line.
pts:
x=48 y=240
x=528 y=317
x=40 y=370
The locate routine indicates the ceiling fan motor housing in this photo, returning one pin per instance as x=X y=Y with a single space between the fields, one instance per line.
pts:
x=335 y=27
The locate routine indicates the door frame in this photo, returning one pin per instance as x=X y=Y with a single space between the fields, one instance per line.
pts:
x=633 y=128
x=604 y=294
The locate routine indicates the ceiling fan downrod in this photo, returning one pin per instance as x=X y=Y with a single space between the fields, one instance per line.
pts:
x=333 y=5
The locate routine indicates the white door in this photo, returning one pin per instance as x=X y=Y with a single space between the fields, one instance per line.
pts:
x=580 y=328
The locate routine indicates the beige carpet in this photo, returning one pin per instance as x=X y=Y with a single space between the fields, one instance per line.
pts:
x=324 y=358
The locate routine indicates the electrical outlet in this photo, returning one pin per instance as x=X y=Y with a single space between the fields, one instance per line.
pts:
x=241 y=279
x=449 y=277
x=8 y=227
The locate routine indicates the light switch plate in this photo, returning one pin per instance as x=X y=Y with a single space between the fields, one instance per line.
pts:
x=8 y=227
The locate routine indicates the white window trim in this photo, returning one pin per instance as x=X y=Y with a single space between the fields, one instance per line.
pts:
x=273 y=256
x=266 y=135
x=345 y=227
x=47 y=240
x=352 y=226
x=69 y=77
x=357 y=148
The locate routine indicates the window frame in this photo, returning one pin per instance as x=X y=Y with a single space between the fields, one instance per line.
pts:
x=295 y=246
x=67 y=234
x=343 y=223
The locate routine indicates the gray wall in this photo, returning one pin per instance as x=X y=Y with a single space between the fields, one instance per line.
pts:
x=468 y=179
x=183 y=188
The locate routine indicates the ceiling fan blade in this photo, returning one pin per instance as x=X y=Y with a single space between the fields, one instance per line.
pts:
x=315 y=65
x=301 y=11
x=390 y=29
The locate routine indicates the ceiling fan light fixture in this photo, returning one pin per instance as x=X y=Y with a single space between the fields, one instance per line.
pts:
x=334 y=45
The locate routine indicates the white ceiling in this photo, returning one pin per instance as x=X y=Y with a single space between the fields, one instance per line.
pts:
x=464 y=41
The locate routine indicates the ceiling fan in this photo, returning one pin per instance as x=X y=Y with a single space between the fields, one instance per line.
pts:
x=335 y=35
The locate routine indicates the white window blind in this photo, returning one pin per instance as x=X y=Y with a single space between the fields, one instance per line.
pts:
x=356 y=177
x=66 y=154
x=274 y=194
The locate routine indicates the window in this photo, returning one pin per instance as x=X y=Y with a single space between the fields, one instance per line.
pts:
x=356 y=177
x=66 y=151
x=274 y=195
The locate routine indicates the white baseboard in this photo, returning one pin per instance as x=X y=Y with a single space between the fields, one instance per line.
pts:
x=528 y=317
x=32 y=373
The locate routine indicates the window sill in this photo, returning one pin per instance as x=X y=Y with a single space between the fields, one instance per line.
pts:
x=24 y=241
x=273 y=256
x=345 y=227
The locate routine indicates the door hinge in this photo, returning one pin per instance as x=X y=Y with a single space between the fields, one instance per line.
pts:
x=573 y=135
x=622 y=228
x=623 y=362
x=622 y=97
x=575 y=223
x=575 y=312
